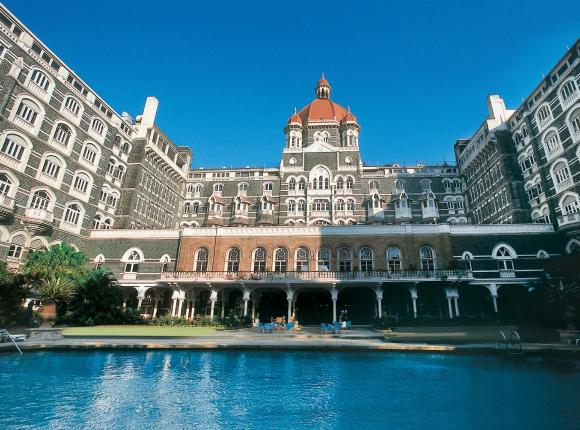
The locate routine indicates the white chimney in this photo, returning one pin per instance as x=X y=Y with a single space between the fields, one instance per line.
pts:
x=149 y=112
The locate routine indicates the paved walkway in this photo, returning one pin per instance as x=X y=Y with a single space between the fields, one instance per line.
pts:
x=358 y=339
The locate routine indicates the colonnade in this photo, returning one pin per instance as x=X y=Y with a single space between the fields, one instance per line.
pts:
x=183 y=299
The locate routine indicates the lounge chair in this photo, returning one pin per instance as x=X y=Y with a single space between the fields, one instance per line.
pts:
x=4 y=336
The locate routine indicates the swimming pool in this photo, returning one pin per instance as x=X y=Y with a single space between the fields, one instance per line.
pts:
x=192 y=389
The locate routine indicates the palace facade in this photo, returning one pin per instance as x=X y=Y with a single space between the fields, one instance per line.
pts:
x=319 y=236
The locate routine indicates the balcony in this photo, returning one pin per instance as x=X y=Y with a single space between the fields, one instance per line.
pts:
x=6 y=206
x=317 y=277
x=564 y=184
x=571 y=98
x=38 y=91
x=569 y=219
x=403 y=214
x=507 y=273
x=38 y=220
x=537 y=200
x=430 y=213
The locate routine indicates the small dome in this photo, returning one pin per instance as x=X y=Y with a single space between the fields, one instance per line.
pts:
x=295 y=118
x=350 y=117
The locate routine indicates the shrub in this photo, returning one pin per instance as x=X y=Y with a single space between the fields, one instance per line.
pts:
x=167 y=320
x=12 y=293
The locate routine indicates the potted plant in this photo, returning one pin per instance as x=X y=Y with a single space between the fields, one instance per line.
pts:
x=53 y=290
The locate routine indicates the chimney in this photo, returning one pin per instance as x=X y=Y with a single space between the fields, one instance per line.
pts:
x=149 y=112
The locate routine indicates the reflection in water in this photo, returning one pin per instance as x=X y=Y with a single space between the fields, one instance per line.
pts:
x=189 y=389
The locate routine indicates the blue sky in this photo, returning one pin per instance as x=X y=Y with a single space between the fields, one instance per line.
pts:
x=228 y=74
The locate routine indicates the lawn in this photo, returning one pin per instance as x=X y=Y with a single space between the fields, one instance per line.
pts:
x=138 y=330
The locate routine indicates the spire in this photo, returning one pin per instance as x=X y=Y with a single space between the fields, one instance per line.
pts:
x=323 y=88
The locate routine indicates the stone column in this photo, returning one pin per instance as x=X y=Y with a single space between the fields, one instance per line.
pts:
x=456 y=299
x=212 y=298
x=180 y=307
x=289 y=297
x=450 y=306
x=413 y=291
x=334 y=297
x=141 y=290
x=379 y=293
x=187 y=304
x=493 y=291
x=246 y=297
x=451 y=293
x=223 y=309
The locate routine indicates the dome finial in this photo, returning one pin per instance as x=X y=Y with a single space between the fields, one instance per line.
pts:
x=323 y=88
x=295 y=110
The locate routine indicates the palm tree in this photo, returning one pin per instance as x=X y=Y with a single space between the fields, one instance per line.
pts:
x=561 y=296
x=52 y=291
x=60 y=261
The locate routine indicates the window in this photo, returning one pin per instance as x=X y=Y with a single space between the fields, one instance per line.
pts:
x=528 y=162
x=40 y=200
x=243 y=187
x=281 y=260
x=291 y=206
x=233 y=260
x=98 y=126
x=575 y=124
x=320 y=205
x=201 y=259
x=344 y=260
x=15 y=251
x=350 y=206
x=373 y=186
x=111 y=166
x=259 y=260
x=349 y=183
x=427 y=257
x=302 y=184
x=394 y=259
x=425 y=185
x=81 y=182
x=561 y=175
x=62 y=134
x=399 y=186
x=366 y=259
x=119 y=172
x=40 y=79
x=504 y=258
x=28 y=111
x=218 y=188
x=72 y=105
x=5 y=184
x=51 y=166
x=340 y=183
x=568 y=92
x=534 y=190
x=302 y=260
x=323 y=260
x=570 y=205
x=339 y=205
x=14 y=146
x=543 y=116
x=348 y=161
x=467 y=261
x=292 y=184
x=97 y=222
x=301 y=205
x=72 y=214
x=552 y=142
x=90 y=154
x=132 y=265
x=268 y=186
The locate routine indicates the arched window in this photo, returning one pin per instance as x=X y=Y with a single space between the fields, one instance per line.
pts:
x=16 y=247
x=14 y=146
x=40 y=79
x=40 y=200
x=28 y=111
x=552 y=144
x=467 y=257
x=111 y=166
x=344 y=260
x=201 y=259
x=349 y=183
x=394 y=263
x=367 y=258
x=98 y=126
x=5 y=184
x=268 y=186
x=427 y=257
x=195 y=208
x=189 y=188
x=373 y=186
x=259 y=260
x=281 y=260
x=348 y=161
x=291 y=206
x=569 y=204
x=561 y=175
x=132 y=264
x=301 y=205
x=302 y=260
x=568 y=93
x=425 y=185
x=543 y=116
x=51 y=166
x=339 y=205
x=81 y=182
x=72 y=214
x=399 y=186
x=504 y=257
x=574 y=122
x=292 y=184
x=218 y=188
x=187 y=208
x=243 y=187
x=62 y=134
x=340 y=183
x=233 y=261
x=90 y=152
x=97 y=222
x=72 y=105
x=350 y=206
x=119 y=172
x=323 y=260
x=302 y=184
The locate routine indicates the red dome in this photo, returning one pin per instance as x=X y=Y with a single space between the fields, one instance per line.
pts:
x=295 y=119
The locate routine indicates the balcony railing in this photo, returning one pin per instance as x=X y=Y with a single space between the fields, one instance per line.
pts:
x=6 y=202
x=377 y=275
x=40 y=215
x=568 y=219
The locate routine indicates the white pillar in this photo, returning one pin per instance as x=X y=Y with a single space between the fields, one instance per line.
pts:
x=187 y=303
x=180 y=307
x=334 y=297
x=139 y=302
x=124 y=304
x=289 y=297
x=246 y=296
x=193 y=309
x=494 y=300
x=212 y=299
x=141 y=290
x=413 y=292
x=379 y=293
x=456 y=306
x=450 y=307
x=223 y=309
x=156 y=304
x=253 y=310
x=173 y=306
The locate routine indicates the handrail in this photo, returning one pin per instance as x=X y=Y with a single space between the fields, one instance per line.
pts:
x=313 y=275
x=501 y=338
x=6 y=334
x=515 y=340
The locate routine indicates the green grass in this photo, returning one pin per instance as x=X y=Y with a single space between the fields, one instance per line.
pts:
x=138 y=330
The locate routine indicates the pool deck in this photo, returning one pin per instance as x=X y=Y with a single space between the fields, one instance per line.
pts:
x=424 y=339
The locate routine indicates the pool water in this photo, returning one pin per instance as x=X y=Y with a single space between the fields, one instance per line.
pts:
x=286 y=390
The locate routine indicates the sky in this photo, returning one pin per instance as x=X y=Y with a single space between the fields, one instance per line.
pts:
x=228 y=74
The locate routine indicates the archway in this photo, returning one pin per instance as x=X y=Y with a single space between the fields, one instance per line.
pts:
x=234 y=304
x=273 y=304
x=357 y=304
x=475 y=302
x=397 y=303
x=512 y=302
x=432 y=302
x=202 y=303
x=313 y=306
